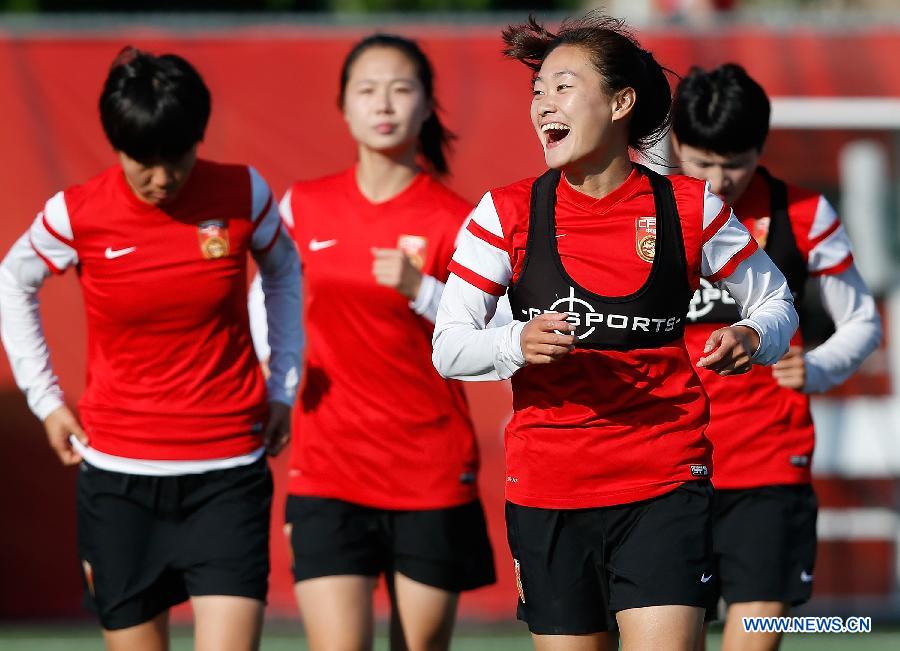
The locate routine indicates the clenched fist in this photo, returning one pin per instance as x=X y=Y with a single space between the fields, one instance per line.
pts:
x=392 y=268
x=790 y=370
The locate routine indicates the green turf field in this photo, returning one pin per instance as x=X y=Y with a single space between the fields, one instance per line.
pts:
x=285 y=637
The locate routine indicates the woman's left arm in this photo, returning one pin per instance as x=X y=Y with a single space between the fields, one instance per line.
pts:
x=857 y=332
x=279 y=271
x=731 y=258
x=767 y=308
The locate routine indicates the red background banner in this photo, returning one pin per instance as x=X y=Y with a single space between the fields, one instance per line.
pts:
x=274 y=106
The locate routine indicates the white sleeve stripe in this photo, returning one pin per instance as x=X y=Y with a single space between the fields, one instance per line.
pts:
x=486 y=236
x=287 y=213
x=485 y=215
x=718 y=250
x=831 y=251
x=823 y=220
x=57 y=215
x=712 y=206
x=45 y=238
x=45 y=258
x=719 y=222
x=487 y=261
x=52 y=249
x=47 y=227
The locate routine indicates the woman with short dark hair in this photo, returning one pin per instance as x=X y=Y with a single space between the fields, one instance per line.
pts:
x=608 y=493
x=761 y=428
x=174 y=490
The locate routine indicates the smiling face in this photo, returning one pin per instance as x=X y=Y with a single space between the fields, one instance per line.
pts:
x=158 y=182
x=384 y=101
x=576 y=120
x=728 y=175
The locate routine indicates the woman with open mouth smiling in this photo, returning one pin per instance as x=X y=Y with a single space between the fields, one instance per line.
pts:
x=608 y=493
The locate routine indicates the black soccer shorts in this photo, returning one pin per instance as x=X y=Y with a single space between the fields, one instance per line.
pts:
x=576 y=568
x=445 y=548
x=147 y=543
x=764 y=543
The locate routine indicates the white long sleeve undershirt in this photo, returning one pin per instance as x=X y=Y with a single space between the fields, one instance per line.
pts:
x=857 y=331
x=465 y=349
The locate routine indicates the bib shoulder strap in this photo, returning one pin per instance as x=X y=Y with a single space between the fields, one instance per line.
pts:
x=778 y=199
x=540 y=219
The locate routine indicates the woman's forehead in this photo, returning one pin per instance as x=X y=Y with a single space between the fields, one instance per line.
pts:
x=381 y=62
x=566 y=59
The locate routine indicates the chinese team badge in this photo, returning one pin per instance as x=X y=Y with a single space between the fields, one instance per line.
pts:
x=760 y=230
x=213 y=236
x=414 y=246
x=645 y=238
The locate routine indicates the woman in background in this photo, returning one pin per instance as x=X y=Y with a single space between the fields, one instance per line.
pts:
x=384 y=460
x=174 y=491
x=761 y=428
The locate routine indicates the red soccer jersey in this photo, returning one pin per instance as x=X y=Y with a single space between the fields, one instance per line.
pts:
x=762 y=434
x=171 y=372
x=375 y=423
x=599 y=427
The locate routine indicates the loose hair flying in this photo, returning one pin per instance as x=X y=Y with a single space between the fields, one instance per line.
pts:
x=616 y=55
x=434 y=138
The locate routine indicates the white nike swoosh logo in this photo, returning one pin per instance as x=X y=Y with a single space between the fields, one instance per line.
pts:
x=111 y=253
x=806 y=578
x=704 y=578
x=318 y=245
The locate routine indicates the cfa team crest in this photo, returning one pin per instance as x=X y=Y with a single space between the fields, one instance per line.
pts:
x=213 y=236
x=414 y=246
x=645 y=238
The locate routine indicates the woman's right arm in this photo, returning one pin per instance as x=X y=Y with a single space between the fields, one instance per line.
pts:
x=46 y=248
x=465 y=348
x=22 y=274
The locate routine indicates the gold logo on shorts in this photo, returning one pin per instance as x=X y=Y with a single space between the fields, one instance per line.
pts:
x=288 y=530
x=519 y=580
x=88 y=576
